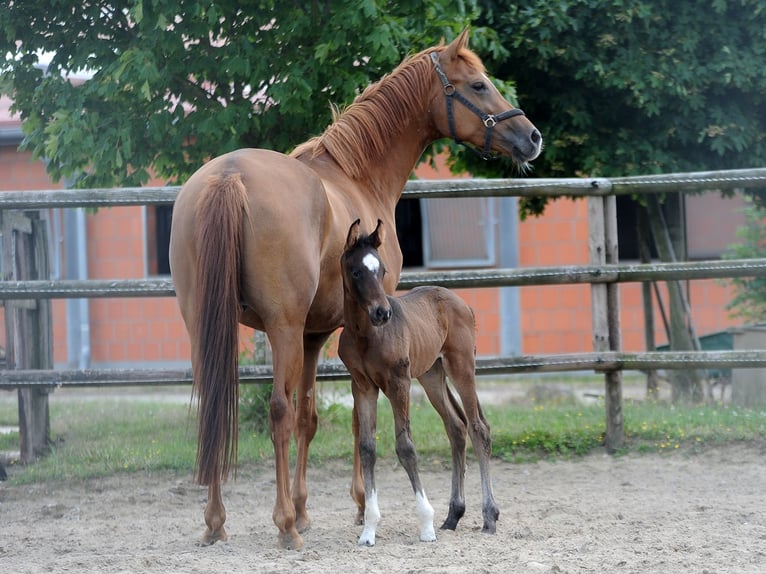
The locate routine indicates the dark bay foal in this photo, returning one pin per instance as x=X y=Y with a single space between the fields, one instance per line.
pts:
x=427 y=334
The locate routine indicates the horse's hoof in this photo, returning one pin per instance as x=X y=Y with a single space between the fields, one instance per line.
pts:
x=428 y=535
x=290 y=540
x=359 y=520
x=490 y=520
x=368 y=542
x=302 y=524
x=212 y=536
x=449 y=524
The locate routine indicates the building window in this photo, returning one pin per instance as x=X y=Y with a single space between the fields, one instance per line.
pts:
x=158 y=221
x=409 y=231
x=435 y=233
x=459 y=232
x=710 y=220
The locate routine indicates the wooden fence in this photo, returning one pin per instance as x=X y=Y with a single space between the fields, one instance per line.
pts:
x=603 y=273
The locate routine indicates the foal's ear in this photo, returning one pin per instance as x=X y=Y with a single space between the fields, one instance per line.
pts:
x=454 y=47
x=377 y=236
x=353 y=234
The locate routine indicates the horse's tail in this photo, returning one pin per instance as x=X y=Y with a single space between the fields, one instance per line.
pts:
x=221 y=209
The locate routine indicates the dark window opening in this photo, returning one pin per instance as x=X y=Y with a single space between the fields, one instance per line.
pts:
x=409 y=230
x=627 y=229
x=158 y=221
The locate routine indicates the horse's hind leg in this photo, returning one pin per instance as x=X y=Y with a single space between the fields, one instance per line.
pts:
x=305 y=425
x=399 y=396
x=287 y=350
x=442 y=399
x=461 y=371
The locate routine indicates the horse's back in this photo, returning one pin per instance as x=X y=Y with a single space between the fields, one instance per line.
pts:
x=440 y=301
x=438 y=322
x=285 y=217
x=269 y=176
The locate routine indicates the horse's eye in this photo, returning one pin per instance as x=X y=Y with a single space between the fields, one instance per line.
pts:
x=479 y=87
x=356 y=274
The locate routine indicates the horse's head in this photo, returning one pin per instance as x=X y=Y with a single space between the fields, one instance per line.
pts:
x=363 y=273
x=468 y=108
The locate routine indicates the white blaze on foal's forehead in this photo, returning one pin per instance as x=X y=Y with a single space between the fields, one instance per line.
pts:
x=371 y=262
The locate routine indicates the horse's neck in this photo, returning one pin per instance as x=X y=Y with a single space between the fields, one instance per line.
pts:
x=383 y=177
x=356 y=320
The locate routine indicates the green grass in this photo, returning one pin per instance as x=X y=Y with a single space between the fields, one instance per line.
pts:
x=102 y=437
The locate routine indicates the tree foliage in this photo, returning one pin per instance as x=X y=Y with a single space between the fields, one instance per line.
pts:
x=625 y=87
x=175 y=82
x=749 y=302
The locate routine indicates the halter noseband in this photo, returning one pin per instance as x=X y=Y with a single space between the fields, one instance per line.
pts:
x=489 y=120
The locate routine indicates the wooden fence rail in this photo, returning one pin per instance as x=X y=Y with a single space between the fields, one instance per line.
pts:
x=335 y=371
x=603 y=273
x=566 y=275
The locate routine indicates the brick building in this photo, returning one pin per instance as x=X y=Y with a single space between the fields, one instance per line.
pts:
x=129 y=242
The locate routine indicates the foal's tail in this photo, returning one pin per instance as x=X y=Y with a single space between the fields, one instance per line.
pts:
x=221 y=209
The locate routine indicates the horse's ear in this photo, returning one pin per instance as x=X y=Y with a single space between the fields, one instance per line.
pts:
x=459 y=43
x=377 y=236
x=353 y=234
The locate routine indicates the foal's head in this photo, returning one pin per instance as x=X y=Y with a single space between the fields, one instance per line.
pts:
x=363 y=273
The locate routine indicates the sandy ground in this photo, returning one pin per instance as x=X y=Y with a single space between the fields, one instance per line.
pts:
x=702 y=512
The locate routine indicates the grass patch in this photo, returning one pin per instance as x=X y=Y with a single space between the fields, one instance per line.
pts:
x=102 y=437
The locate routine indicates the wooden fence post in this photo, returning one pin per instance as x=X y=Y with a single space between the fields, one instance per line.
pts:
x=602 y=226
x=28 y=325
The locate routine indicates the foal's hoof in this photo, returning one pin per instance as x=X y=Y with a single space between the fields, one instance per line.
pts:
x=212 y=536
x=490 y=520
x=290 y=540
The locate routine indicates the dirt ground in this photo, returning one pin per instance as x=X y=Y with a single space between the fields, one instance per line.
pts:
x=702 y=512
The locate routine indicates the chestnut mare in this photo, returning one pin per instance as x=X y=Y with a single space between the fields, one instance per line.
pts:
x=257 y=235
x=426 y=334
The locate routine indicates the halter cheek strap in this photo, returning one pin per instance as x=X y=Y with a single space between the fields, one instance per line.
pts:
x=489 y=120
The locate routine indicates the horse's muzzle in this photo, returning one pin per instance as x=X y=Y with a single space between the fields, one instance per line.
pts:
x=380 y=315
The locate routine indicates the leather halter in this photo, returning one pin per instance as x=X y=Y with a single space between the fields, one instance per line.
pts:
x=489 y=120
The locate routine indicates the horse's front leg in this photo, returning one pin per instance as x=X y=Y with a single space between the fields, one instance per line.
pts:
x=305 y=425
x=366 y=408
x=357 y=478
x=287 y=352
x=399 y=396
x=215 y=515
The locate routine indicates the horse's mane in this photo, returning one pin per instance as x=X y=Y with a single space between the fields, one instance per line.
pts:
x=364 y=130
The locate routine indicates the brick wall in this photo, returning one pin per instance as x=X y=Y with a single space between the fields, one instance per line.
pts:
x=554 y=319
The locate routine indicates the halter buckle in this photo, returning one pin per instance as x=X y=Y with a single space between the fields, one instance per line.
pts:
x=490 y=121
x=449 y=89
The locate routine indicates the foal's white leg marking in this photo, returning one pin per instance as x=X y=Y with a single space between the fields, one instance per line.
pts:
x=371 y=262
x=425 y=517
x=371 y=519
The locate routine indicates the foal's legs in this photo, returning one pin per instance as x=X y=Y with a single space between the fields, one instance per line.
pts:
x=357 y=478
x=365 y=423
x=305 y=425
x=435 y=385
x=399 y=396
x=460 y=367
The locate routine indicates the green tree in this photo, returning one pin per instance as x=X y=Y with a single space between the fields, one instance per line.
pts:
x=749 y=302
x=625 y=87
x=174 y=82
